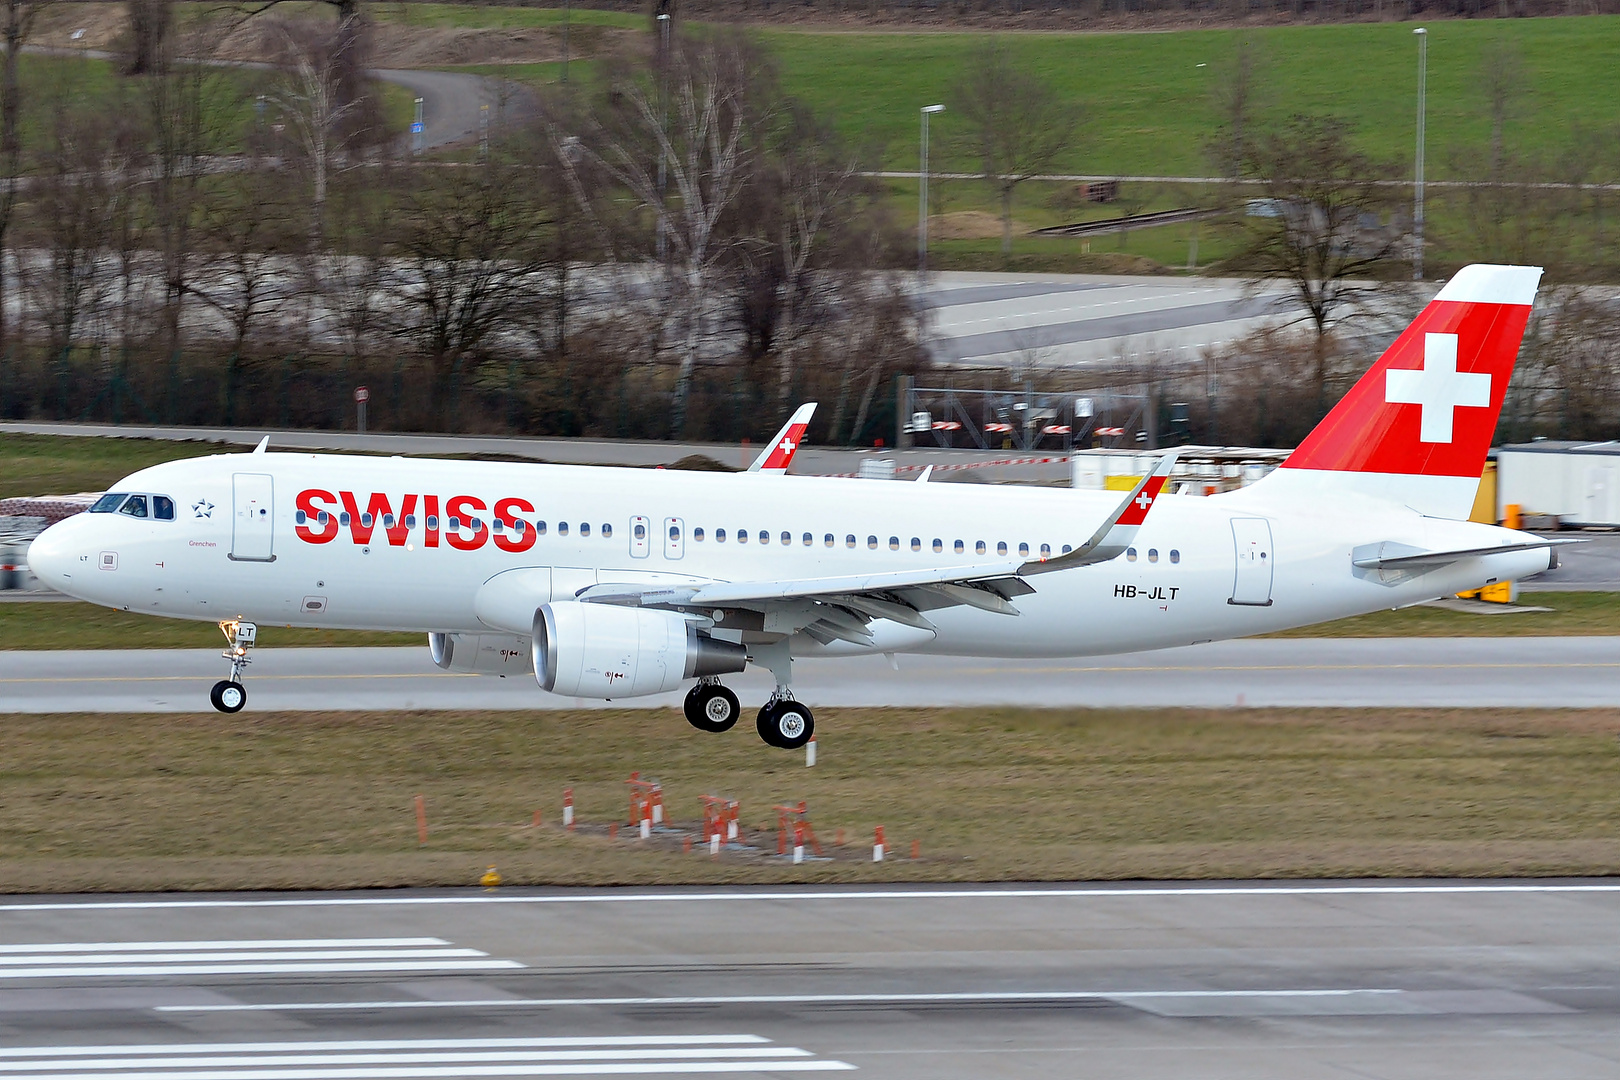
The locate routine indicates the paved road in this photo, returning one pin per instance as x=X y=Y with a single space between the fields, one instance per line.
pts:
x=1066 y=320
x=1375 y=673
x=1473 y=981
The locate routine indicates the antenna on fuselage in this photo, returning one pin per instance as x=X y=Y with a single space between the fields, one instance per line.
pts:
x=263 y=444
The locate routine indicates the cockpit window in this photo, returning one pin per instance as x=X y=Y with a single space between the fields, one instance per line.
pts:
x=160 y=507
x=163 y=508
x=134 y=506
x=108 y=502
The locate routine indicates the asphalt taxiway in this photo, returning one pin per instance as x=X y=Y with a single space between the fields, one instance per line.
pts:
x=1547 y=672
x=1475 y=980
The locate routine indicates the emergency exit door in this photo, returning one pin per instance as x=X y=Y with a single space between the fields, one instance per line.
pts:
x=1251 y=584
x=253 y=520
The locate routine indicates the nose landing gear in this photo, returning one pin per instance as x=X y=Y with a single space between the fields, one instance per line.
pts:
x=229 y=695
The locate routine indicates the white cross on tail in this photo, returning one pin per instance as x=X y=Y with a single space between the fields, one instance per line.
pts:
x=1438 y=387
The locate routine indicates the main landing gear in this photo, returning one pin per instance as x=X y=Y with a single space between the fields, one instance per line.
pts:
x=229 y=695
x=783 y=722
x=711 y=707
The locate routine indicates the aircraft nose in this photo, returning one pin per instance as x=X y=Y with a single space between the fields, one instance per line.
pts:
x=53 y=555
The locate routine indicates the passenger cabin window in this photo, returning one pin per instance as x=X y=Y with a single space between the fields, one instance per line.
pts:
x=1001 y=547
x=849 y=541
x=808 y=539
x=674 y=533
x=1130 y=554
x=1023 y=551
x=1153 y=554
x=697 y=534
x=343 y=520
x=640 y=531
x=916 y=543
x=1175 y=555
x=787 y=538
x=742 y=536
x=585 y=528
x=894 y=543
x=108 y=502
x=410 y=521
x=607 y=531
x=134 y=506
x=1046 y=551
x=764 y=537
x=365 y=520
x=871 y=542
x=562 y=528
x=432 y=521
x=959 y=547
x=719 y=536
x=978 y=548
x=827 y=540
x=539 y=527
x=939 y=545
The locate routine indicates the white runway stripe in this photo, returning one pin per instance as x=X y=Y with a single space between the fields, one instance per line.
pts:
x=379 y=1059
x=133 y=970
x=115 y=959
x=811 y=895
x=334 y=1046
x=990 y=997
x=211 y=946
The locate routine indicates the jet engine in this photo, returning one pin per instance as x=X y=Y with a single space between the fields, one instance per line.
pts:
x=480 y=654
x=606 y=651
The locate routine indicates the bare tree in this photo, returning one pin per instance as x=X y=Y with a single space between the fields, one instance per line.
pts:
x=1017 y=125
x=688 y=131
x=1235 y=93
x=184 y=121
x=244 y=274
x=146 y=50
x=310 y=94
x=18 y=17
x=1326 y=224
x=469 y=244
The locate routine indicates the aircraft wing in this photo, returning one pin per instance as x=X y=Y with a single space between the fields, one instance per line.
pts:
x=776 y=457
x=842 y=606
x=1115 y=534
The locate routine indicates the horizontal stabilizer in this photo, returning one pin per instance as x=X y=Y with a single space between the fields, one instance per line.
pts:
x=1392 y=556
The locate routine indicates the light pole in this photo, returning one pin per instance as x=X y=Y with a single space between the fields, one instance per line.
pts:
x=922 y=192
x=1417 y=198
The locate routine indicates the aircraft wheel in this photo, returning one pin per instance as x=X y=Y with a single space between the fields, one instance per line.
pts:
x=712 y=708
x=228 y=696
x=786 y=725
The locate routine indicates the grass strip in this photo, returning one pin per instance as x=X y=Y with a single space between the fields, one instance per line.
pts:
x=111 y=802
x=58 y=625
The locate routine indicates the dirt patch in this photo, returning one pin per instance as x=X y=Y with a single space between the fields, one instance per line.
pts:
x=972 y=225
x=103 y=27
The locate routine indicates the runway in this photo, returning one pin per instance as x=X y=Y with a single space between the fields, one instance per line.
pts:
x=1357 y=672
x=1388 y=981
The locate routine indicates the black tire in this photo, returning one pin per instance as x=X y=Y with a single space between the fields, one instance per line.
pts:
x=228 y=696
x=786 y=725
x=712 y=708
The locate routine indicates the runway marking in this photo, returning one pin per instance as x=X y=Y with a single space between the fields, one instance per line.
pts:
x=709 y=897
x=380 y=1058
x=991 y=997
x=124 y=959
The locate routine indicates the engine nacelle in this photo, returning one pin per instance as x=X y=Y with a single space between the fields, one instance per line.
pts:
x=607 y=651
x=480 y=654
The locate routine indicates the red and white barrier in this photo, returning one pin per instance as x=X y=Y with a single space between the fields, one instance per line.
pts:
x=959 y=466
x=568 y=809
x=795 y=820
x=877 y=845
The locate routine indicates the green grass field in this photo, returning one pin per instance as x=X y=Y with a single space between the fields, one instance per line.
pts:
x=325 y=800
x=1146 y=97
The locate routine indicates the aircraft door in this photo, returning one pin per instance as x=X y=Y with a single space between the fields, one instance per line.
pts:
x=253 y=518
x=1601 y=504
x=674 y=538
x=1251 y=585
x=640 y=537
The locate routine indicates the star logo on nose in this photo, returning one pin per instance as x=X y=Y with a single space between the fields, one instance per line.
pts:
x=203 y=508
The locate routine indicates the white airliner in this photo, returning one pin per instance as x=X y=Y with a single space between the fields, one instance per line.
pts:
x=610 y=582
